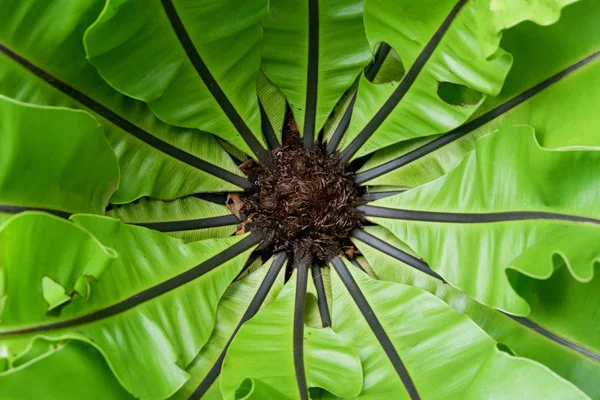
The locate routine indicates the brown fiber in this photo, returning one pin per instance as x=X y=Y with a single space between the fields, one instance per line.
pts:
x=304 y=203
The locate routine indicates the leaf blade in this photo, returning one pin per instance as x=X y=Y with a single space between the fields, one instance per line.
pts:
x=130 y=308
x=324 y=49
x=527 y=187
x=548 y=69
x=277 y=320
x=155 y=159
x=429 y=40
x=50 y=158
x=431 y=328
x=183 y=75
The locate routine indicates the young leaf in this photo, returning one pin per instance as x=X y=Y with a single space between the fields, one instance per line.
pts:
x=273 y=108
x=175 y=56
x=314 y=51
x=503 y=199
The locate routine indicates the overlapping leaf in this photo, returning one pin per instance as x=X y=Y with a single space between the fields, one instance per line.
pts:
x=191 y=68
x=69 y=371
x=128 y=314
x=314 y=51
x=447 y=43
x=42 y=61
x=238 y=303
x=562 y=303
x=508 y=13
x=507 y=197
x=189 y=218
x=54 y=159
x=551 y=86
x=567 y=340
x=416 y=346
x=257 y=370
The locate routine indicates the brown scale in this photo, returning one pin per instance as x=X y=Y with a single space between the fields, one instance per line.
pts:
x=305 y=202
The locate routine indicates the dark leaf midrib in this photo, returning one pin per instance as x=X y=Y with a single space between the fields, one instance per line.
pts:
x=546 y=333
x=210 y=82
x=341 y=128
x=457 y=133
x=317 y=273
x=355 y=262
x=380 y=195
x=6 y=208
x=376 y=327
x=216 y=198
x=382 y=53
x=404 y=86
x=251 y=311
x=267 y=129
x=126 y=125
x=394 y=252
x=147 y=294
x=191 y=224
x=298 y=331
x=312 y=79
x=470 y=218
x=411 y=261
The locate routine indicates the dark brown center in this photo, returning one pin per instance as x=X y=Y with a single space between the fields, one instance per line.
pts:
x=304 y=203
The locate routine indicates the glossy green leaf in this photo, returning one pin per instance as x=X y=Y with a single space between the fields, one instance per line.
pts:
x=508 y=13
x=189 y=218
x=563 y=304
x=391 y=70
x=55 y=159
x=328 y=362
x=42 y=61
x=312 y=313
x=273 y=102
x=251 y=267
x=128 y=313
x=70 y=371
x=148 y=316
x=386 y=67
x=191 y=70
x=556 y=295
x=444 y=354
x=509 y=196
x=550 y=86
x=23 y=272
x=232 y=308
x=341 y=108
x=314 y=50
x=437 y=42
